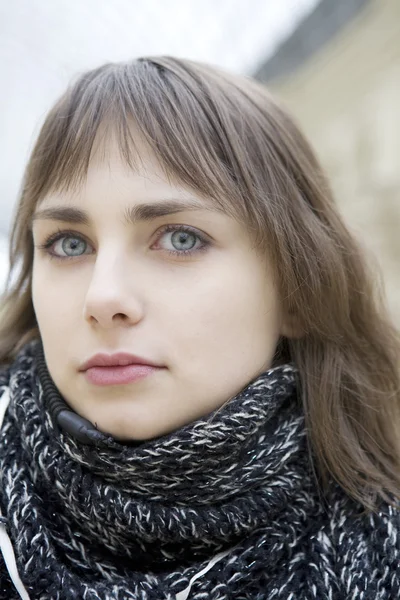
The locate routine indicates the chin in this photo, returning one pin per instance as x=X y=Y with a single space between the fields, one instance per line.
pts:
x=137 y=433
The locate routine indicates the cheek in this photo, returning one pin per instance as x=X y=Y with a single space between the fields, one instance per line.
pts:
x=237 y=318
x=42 y=297
x=56 y=302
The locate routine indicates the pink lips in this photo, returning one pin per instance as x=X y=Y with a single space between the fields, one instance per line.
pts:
x=117 y=369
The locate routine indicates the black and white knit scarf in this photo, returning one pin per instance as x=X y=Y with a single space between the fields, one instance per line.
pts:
x=225 y=508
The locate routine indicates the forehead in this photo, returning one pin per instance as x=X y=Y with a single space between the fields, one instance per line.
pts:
x=122 y=169
x=110 y=165
x=149 y=194
x=139 y=193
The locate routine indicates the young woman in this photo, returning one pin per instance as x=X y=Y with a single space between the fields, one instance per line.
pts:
x=200 y=382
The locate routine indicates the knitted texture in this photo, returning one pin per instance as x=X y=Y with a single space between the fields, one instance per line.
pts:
x=138 y=521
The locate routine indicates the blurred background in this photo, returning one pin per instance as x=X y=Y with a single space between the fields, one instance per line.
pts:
x=335 y=63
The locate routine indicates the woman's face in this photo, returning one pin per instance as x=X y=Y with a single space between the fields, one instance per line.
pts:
x=178 y=284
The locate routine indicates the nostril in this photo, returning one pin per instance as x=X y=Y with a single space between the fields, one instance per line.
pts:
x=120 y=318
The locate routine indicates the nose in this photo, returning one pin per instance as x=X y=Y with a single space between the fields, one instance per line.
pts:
x=112 y=299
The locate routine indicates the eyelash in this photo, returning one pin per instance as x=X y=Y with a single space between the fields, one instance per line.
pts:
x=55 y=237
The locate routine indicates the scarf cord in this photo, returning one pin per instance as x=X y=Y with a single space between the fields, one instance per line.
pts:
x=226 y=507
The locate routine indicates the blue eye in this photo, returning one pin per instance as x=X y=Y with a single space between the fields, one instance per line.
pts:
x=74 y=245
x=188 y=240
x=64 y=245
x=184 y=240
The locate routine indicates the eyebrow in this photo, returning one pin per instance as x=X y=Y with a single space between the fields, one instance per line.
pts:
x=132 y=215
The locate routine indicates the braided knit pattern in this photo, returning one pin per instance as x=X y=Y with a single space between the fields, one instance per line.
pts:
x=139 y=521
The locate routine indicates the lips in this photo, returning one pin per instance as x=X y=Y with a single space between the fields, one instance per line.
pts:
x=118 y=369
x=120 y=359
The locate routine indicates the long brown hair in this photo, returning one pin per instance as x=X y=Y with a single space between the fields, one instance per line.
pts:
x=226 y=138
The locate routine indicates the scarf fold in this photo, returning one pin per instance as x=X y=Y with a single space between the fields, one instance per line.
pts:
x=118 y=521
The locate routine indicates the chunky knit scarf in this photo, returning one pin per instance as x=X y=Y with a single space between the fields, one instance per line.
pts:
x=225 y=508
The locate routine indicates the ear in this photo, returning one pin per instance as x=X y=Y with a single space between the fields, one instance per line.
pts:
x=291 y=327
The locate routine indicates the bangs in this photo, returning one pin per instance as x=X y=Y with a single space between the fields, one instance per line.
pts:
x=191 y=124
